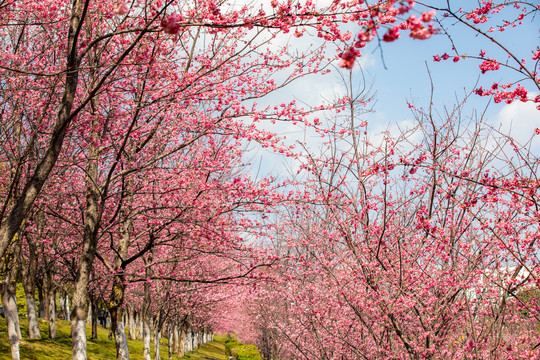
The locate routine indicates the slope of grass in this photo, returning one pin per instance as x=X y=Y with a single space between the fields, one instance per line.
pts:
x=214 y=350
x=221 y=348
x=60 y=348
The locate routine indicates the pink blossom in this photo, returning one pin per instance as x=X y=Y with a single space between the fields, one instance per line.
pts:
x=392 y=34
x=536 y=55
x=427 y=16
x=170 y=24
x=489 y=65
x=520 y=92
x=421 y=33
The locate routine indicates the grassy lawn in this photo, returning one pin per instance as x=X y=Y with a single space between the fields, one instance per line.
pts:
x=60 y=348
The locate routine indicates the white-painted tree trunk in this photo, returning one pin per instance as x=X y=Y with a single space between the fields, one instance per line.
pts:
x=78 y=339
x=120 y=339
x=170 y=342
x=157 y=338
x=132 y=325
x=68 y=309
x=146 y=341
x=9 y=304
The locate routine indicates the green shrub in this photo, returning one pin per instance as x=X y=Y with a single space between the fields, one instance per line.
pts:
x=231 y=344
x=247 y=352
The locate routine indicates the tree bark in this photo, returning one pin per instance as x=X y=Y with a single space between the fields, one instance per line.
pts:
x=170 y=341
x=182 y=344
x=51 y=307
x=132 y=325
x=175 y=338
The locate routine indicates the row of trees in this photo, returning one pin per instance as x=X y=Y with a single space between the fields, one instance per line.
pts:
x=123 y=183
x=423 y=247
x=420 y=245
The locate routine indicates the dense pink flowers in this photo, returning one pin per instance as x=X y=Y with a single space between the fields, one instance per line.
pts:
x=349 y=57
x=170 y=24
x=427 y=16
x=392 y=34
x=418 y=30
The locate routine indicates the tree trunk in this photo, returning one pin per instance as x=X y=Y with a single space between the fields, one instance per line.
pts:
x=80 y=296
x=175 y=337
x=9 y=305
x=51 y=307
x=132 y=325
x=88 y=254
x=29 y=284
x=45 y=302
x=182 y=344
x=119 y=283
x=68 y=310
x=146 y=319
x=33 y=324
x=146 y=340
x=41 y=298
x=93 y=314
x=90 y=310
x=120 y=339
x=157 y=338
x=170 y=341
x=52 y=316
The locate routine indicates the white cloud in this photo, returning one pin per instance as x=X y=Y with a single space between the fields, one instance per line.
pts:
x=519 y=120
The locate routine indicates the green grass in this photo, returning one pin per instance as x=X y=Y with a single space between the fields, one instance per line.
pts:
x=60 y=348
x=221 y=348
x=214 y=349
